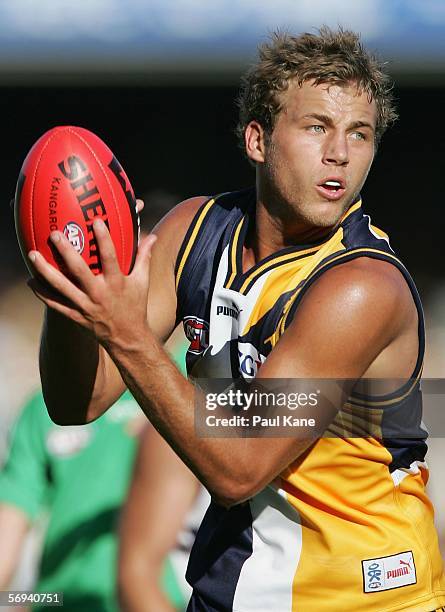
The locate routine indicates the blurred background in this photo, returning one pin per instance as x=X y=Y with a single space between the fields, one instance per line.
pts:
x=157 y=80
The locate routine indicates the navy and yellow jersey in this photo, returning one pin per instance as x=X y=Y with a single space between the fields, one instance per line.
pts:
x=347 y=526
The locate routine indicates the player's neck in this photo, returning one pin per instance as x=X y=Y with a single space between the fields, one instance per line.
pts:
x=272 y=232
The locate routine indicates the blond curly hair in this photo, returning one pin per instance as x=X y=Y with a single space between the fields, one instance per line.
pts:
x=332 y=56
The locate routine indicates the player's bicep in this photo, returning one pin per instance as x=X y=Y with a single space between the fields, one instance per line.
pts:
x=161 y=307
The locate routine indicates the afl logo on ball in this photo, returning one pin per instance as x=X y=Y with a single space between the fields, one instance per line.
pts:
x=197 y=332
x=75 y=235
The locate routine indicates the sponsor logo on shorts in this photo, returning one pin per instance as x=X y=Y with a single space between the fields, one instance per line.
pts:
x=197 y=332
x=389 y=572
x=75 y=235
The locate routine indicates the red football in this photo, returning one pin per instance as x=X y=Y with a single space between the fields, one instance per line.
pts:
x=69 y=178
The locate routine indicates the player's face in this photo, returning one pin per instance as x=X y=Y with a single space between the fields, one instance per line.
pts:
x=320 y=151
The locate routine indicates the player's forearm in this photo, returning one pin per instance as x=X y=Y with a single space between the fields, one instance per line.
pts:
x=168 y=400
x=166 y=397
x=232 y=469
x=69 y=358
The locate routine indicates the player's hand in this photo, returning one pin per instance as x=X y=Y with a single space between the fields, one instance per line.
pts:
x=111 y=305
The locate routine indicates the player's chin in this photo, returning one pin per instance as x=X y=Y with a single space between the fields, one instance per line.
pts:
x=328 y=214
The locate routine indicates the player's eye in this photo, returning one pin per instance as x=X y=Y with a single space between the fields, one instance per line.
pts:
x=358 y=136
x=318 y=129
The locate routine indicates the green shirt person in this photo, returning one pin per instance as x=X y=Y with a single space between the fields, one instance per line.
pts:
x=80 y=476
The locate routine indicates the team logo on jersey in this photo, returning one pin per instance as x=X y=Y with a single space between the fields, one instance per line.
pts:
x=250 y=359
x=389 y=572
x=197 y=332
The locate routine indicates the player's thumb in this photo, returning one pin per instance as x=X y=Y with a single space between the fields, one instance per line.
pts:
x=143 y=256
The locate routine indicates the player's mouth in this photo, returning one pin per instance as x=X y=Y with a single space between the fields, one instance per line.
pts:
x=331 y=188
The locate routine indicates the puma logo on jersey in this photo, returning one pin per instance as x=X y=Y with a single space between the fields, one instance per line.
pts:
x=400 y=571
x=228 y=312
x=389 y=572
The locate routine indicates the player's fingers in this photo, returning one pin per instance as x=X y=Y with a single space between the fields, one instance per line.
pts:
x=139 y=205
x=107 y=252
x=56 y=280
x=142 y=262
x=76 y=266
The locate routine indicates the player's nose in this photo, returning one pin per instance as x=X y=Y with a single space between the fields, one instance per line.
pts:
x=336 y=152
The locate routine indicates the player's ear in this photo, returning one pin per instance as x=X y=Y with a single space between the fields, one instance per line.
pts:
x=255 y=142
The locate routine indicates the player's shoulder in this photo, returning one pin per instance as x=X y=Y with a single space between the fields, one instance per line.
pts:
x=181 y=215
x=367 y=286
x=172 y=228
x=369 y=274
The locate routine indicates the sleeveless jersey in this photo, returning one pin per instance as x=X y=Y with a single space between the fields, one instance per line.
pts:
x=347 y=526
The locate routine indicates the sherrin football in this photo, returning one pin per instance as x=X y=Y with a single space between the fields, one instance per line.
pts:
x=69 y=178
